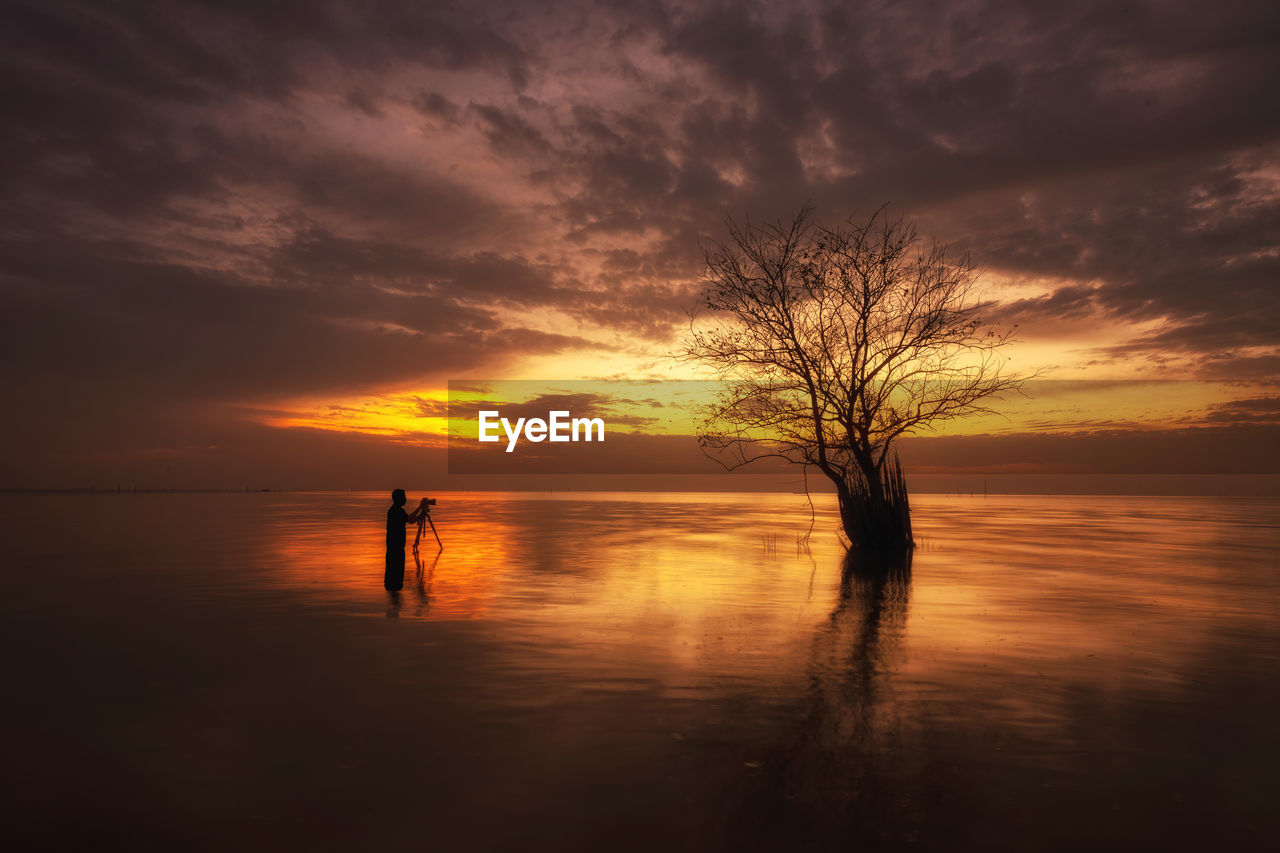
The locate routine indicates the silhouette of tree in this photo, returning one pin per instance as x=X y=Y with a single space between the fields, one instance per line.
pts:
x=834 y=342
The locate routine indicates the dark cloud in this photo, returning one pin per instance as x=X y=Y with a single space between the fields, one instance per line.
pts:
x=360 y=100
x=201 y=49
x=509 y=134
x=1264 y=410
x=436 y=105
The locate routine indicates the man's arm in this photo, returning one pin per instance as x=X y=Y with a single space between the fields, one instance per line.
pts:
x=418 y=513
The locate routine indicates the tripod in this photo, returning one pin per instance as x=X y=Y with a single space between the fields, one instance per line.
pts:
x=423 y=521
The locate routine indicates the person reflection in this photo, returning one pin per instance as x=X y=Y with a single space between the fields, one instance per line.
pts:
x=397 y=521
x=424 y=575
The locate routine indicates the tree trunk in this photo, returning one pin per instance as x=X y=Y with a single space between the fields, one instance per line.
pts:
x=875 y=510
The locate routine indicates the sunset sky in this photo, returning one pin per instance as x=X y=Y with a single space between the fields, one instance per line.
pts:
x=251 y=243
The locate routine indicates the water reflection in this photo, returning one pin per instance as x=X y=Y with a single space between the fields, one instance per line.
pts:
x=851 y=718
x=659 y=661
x=854 y=655
x=420 y=598
x=681 y=587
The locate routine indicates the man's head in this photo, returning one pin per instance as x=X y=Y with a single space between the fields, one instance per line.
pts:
x=398 y=497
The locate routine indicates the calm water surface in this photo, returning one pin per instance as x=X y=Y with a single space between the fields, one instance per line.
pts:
x=622 y=671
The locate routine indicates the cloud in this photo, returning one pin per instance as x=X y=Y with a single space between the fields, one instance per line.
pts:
x=211 y=203
x=580 y=404
x=1262 y=410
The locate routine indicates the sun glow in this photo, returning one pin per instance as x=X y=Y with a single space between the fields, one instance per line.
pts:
x=414 y=416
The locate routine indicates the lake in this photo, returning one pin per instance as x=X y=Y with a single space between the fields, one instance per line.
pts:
x=623 y=671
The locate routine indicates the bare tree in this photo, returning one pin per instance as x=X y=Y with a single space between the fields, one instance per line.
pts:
x=833 y=343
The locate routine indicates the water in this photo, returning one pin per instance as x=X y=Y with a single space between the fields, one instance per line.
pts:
x=640 y=671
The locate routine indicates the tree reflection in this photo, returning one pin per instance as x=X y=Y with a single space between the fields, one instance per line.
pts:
x=838 y=766
x=851 y=719
x=851 y=702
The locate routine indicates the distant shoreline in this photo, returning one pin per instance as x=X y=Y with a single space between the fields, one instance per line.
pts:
x=1119 y=485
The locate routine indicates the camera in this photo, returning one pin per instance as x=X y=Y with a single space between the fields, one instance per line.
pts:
x=429 y=501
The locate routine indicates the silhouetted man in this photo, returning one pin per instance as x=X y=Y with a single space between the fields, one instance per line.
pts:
x=397 y=520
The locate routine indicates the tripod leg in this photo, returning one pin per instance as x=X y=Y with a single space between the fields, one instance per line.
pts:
x=433 y=531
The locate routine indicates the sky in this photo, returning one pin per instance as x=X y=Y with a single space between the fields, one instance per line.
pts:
x=252 y=243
